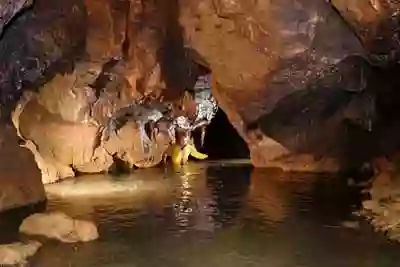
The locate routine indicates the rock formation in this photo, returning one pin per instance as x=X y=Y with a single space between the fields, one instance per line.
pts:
x=20 y=186
x=59 y=226
x=282 y=85
x=381 y=205
x=297 y=79
x=16 y=254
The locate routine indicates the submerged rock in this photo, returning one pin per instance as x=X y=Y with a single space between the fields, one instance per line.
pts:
x=59 y=226
x=17 y=253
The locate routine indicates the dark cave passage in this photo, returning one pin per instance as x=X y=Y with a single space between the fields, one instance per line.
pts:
x=221 y=140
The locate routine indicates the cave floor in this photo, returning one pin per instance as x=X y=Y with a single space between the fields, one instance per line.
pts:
x=216 y=215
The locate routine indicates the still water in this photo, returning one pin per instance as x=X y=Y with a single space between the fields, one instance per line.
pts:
x=217 y=214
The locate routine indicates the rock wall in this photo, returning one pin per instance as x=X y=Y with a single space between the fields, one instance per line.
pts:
x=19 y=186
x=69 y=75
x=297 y=78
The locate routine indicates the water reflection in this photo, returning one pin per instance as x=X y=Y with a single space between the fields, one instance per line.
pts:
x=213 y=215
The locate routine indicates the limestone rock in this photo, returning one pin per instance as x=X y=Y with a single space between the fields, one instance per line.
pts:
x=59 y=226
x=17 y=253
x=127 y=147
x=275 y=73
x=288 y=91
x=64 y=141
x=60 y=147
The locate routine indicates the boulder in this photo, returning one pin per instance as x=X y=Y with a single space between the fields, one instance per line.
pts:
x=59 y=226
x=285 y=88
x=18 y=252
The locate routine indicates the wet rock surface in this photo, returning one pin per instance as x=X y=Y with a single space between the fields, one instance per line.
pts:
x=16 y=254
x=57 y=225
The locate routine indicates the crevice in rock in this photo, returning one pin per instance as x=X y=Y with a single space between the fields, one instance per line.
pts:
x=126 y=43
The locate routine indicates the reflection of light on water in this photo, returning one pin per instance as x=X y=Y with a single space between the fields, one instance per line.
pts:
x=183 y=208
x=199 y=207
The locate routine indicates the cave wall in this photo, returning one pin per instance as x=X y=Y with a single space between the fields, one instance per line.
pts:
x=70 y=65
x=296 y=78
x=19 y=186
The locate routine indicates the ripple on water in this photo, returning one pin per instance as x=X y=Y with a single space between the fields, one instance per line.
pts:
x=215 y=215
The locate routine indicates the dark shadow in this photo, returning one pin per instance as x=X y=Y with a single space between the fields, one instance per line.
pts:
x=326 y=119
x=316 y=119
x=332 y=199
x=222 y=140
x=230 y=186
x=175 y=64
x=387 y=128
x=12 y=219
x=119 y=167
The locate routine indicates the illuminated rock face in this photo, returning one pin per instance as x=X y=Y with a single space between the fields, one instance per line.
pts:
x=95 y=58
x=296 y=78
